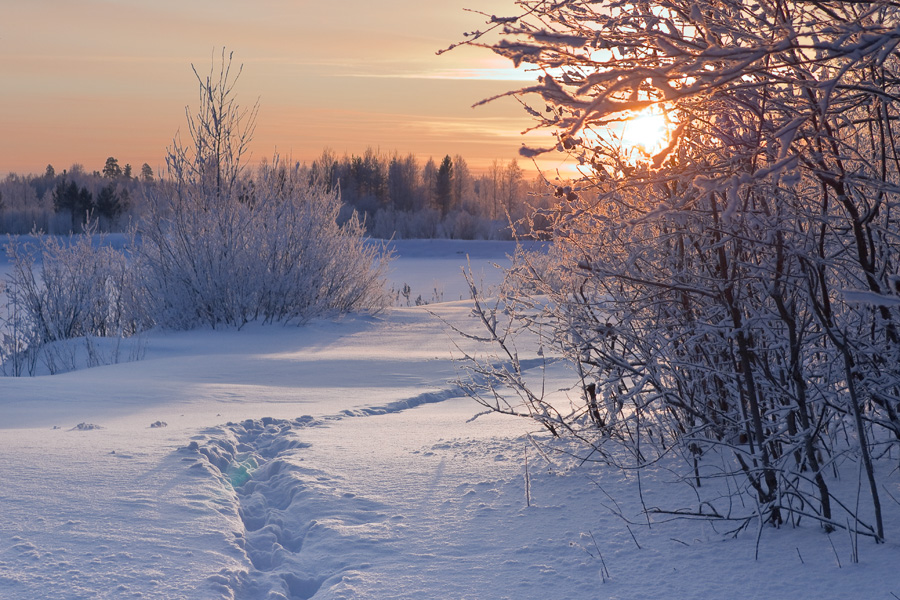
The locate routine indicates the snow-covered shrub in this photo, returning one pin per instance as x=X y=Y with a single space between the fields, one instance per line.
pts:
x=272 y=251
x=729 y=297
x=215 y=247
x=218 y=247
x=65 y=288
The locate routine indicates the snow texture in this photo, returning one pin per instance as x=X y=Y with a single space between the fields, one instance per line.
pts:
x=339 y=460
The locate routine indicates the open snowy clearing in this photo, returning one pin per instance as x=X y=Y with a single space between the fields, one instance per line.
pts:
x=339 y=460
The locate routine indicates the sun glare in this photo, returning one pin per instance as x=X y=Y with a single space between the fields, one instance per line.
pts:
x=648 y=131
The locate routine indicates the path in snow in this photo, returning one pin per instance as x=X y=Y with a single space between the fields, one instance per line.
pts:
x=400 y=513
x=408 y=499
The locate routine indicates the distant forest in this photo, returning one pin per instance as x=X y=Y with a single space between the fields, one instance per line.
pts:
x=396 y=195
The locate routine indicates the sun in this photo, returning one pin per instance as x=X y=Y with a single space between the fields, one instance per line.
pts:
x=647 y=131
x=632 y=137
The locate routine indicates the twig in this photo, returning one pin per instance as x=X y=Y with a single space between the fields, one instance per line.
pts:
x=800 y=555
x=836 y=557
x=527 y=480
x=604 y=572
x=759 y=530
x=891 y=496
x=854 y=549
x=540 y=451
x=641 y=495
x=632 y=537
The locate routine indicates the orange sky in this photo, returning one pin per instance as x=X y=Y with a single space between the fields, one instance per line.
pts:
x=81 y=81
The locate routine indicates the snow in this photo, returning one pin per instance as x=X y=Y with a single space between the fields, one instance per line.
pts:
x=339 y=460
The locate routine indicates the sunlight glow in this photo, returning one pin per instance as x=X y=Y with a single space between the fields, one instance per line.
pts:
x=647 y=131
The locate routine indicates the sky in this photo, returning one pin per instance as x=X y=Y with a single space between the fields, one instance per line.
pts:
x=84 y=80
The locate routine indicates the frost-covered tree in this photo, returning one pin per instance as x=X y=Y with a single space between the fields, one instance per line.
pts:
x=219 y=247
x=220 y=132
x=463 y=192
x=111 y=202
x=403 y=181
x=77 y=201
x=733 y=289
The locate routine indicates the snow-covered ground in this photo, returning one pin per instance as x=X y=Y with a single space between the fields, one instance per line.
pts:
x=339 y=460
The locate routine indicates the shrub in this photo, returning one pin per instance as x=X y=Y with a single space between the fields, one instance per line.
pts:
x=63 y=288
x=729 y=296
x=272 y=251
x=216 y=247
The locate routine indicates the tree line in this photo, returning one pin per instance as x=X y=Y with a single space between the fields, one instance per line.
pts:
x=61 y=202
x=395 y=195
x=400 y=197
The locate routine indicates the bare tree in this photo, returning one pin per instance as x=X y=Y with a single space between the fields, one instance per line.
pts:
x=220 y=130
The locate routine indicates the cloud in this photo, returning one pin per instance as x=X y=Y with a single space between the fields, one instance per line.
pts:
x=480 y=74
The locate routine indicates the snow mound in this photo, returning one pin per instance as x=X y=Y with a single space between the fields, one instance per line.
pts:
x=85 y=427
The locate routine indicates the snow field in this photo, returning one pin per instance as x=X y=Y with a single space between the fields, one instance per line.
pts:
x=339 y=460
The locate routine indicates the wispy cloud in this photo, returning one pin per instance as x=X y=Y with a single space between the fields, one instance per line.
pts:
x=486 y=74
x=83 y=77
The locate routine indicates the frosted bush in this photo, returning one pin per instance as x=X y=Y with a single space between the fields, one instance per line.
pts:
x=271 y=250
x=220 y=248
x=63 y=288
x=730 y=294
x=74 y=286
